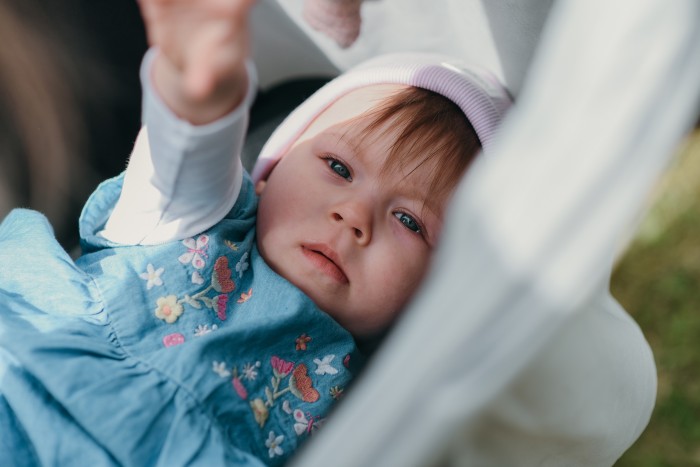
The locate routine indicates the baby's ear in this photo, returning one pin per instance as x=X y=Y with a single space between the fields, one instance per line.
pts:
x=260 y=187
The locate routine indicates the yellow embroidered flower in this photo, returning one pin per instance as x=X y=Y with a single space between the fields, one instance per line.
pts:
x=259 y=411
x=168 y=309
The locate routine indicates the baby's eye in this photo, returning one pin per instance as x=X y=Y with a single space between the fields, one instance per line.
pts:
x=340 y=169
x=408 y=221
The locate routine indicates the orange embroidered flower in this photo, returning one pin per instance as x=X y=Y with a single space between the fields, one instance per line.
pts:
x=168 y=309
x=301 y=341
x=245 y=296
x=301 y=386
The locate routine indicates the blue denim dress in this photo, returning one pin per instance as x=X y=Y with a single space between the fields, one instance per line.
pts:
x=192 y=352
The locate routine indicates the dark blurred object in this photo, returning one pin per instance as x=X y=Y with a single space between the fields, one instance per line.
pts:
x=69 y=102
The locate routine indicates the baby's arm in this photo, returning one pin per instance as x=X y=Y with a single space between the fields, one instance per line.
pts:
x=185 y=172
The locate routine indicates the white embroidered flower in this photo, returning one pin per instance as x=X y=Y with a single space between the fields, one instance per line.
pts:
x=196 y=251
x=202 y=329
x=152 y=276
x=250 y=371
x=324 y=366
x=220 y=369
x=242 y=264
x=273 y=444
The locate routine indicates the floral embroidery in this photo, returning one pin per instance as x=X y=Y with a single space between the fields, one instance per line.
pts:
x=238 y=386
x=168 y=309
x=301 y=386
x=197 y=278
x=221 y=279
x=220 y=282
x=336 y=392
x=196 y=251
x=346 y=361
x=152 y=276
x=245 y=296
x=273 y=444
x=260 y=411
x=231 y=245
x=250 y=371
x=286 y=408
x=281 y=368
x=242 y=265
x=173 y=339
x=220 y=369
x=203 y=329
x=323 y=367
x=221 y=301
x=305 y=423
x=301 y=341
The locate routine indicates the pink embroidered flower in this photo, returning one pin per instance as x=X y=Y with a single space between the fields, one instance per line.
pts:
x=240 y=389
x=221 y=278
x=168 y=309
x=221 y=302
x=301 y=341
x=346 y=361
x=173 y=339
x=280 y=367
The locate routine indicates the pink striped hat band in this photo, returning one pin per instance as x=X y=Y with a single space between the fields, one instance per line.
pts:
x=477 y=92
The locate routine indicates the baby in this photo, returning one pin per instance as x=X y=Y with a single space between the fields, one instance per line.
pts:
x=213 y=316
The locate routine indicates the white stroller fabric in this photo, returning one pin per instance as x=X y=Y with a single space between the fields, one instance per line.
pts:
x=513 y=352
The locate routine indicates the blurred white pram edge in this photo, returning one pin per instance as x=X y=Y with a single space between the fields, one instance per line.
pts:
x=526 y=360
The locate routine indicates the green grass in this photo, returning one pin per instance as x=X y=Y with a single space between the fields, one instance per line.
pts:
x=658 y=282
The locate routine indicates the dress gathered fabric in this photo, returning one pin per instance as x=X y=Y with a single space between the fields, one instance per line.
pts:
x=188 y=352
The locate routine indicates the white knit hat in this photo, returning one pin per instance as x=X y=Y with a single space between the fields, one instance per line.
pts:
x=477 y=92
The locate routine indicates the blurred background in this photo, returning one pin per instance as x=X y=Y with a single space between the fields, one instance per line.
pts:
x=658 y=282
x=97 y=49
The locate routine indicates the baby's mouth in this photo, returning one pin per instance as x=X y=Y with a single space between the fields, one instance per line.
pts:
x=325 y=260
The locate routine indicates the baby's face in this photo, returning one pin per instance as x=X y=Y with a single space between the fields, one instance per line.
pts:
x=357 y=242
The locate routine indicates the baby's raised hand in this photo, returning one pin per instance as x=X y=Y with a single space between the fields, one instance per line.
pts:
x=200 y=69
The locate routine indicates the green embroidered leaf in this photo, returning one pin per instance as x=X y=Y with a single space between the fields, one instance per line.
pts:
x=192 y=302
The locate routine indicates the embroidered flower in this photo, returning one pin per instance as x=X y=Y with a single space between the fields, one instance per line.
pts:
x=168 y=309
x=245 y=296
x=152 y=276
x=196 y=251
x=197 y=278
x=220 y=369
x=286 y=407
x=221 y=302
x=231 y=245
x=242 y=264
x=301 y=341
x=238 y=386
x=346 y=361
x=273 y=444
x=280 y=367
x=305 y=423
x=221 y=278
x=250 y=371
x=203 y=329
x=336 y=392
x=259 y=411
x=173 y=339
x=323 y=367
x=301 y=386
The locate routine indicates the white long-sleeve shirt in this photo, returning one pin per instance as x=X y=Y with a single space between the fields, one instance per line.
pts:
x=181 y=178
